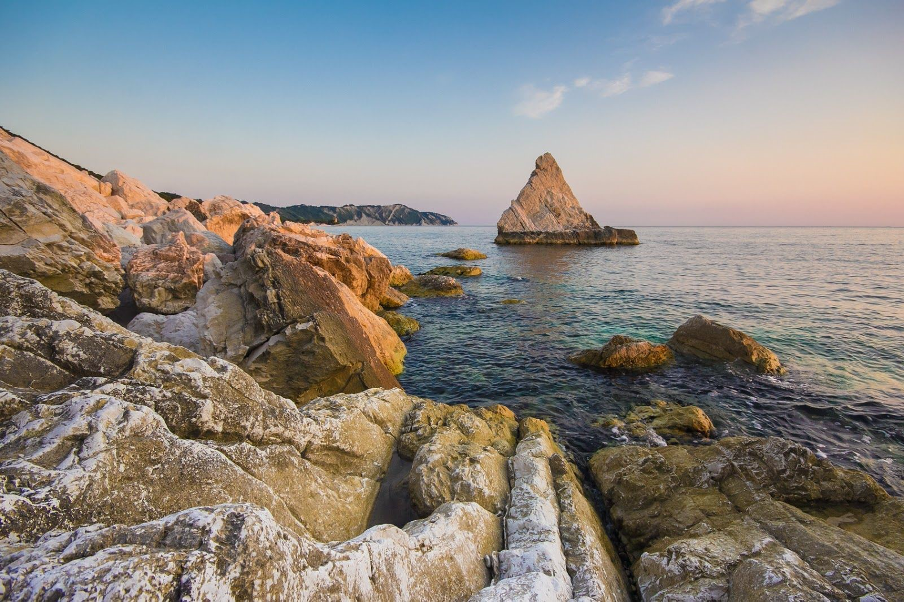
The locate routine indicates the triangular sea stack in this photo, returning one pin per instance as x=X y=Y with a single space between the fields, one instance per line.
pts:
x=547 y=212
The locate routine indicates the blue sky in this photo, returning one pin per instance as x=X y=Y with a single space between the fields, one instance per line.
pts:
x=679 y=112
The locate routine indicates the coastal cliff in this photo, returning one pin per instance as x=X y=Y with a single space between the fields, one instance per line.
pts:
x=547 y=212
x=360 y=215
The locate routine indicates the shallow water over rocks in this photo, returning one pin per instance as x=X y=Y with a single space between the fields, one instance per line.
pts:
x=828 y=301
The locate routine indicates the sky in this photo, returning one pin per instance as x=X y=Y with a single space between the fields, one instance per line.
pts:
x=660 y=112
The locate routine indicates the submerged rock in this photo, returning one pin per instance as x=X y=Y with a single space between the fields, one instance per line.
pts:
x=165 y=279
x=624 y=353
x=463 y=271
x=402 y=325
x=747 y=519
x=707 y=339
x=547 y=212
x=511 y=301
x=463 y=254
x=432 y=286
x=43 y=237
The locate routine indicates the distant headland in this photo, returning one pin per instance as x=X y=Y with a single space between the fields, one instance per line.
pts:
x=360 y=215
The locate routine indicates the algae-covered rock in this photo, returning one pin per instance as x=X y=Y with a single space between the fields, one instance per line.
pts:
x=463 y=271
x=736 y=520
x=624 y=353
x=707 y=339
x=402 y=325
x=511 y=301
x=672 y=419
x=464 y=254
x=432 y=286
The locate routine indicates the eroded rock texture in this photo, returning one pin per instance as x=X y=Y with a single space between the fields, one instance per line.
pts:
x=752 y=519
x=166 y=278
x=547 y=212
x=43 y=237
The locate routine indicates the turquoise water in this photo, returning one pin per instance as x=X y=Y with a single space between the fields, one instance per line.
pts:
x=828 y=301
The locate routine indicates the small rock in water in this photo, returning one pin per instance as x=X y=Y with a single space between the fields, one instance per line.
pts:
x=707 y=339
x=660 y=419
x=511 y=301
x=463 y=254
x=624 y=353
x=429 y=285
x=402 y=325
x=462 y=271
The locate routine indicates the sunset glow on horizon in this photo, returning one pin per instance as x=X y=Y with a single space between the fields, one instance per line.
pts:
x=674 y=112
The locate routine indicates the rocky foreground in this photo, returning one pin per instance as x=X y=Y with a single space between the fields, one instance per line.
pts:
x=547 y=212
x=238 y=440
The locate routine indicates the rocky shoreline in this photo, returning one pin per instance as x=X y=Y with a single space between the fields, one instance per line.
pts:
x=233 y=441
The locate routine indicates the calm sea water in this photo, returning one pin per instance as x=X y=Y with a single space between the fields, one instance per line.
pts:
x=828 y=301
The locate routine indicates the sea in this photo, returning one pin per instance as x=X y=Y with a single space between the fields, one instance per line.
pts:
x=828 y=301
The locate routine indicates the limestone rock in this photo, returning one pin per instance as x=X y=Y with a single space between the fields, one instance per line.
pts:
x=464 y=254
x=547 y=212
x=462 y=271
x=751 y=518
x=166 y=278
x=135 y=194
x=292 y=326
x=707 y=339
x=432 y=286
x=151 y=429
x=191 y=205
x=624 y=353
x=353 y=262
x=393 y=299
x=402 y=325
x=161 y=230
x=42 y=237
x=227 y=214
x=238 y=552
x=86 y=194
x=399 y=276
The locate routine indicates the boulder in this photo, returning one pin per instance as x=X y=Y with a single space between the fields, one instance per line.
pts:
x=751 y=518
x=227 y=214
x=432 y=286
x=166 y=278
x=399 y=276
x=87 y=195
x=463 y=271
x=393 y=299
x=402 y=325
x=135 y=194
x=161 y=230
x=353 y=262
x=547 y=212
x=707 y=339
x=234 y=552
x=43 y=237
x=157 y=429
x=193 y=206
x=463 y=254
x=624 y=353
x=292 y=326
x=458 y=454
x=659 y=421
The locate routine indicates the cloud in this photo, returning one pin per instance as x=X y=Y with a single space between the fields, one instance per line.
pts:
x=614 y=87
x=535 y=103
x=581 y=82
x=669 y=12
x=651 y=78
x=780 y=11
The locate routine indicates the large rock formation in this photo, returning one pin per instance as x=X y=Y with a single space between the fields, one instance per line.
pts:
x=290 y=324
x=353 y=262
x=707 y=339
x=547 y=212
x=166 y=278
x=43 y=237
x=751 y=519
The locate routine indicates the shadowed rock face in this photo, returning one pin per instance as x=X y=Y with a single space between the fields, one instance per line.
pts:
x=547 y=212
x=42 y=237
x=710 y=340
x=753 y=519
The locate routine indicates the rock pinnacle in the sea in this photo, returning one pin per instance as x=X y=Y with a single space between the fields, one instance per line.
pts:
x=547 y=212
